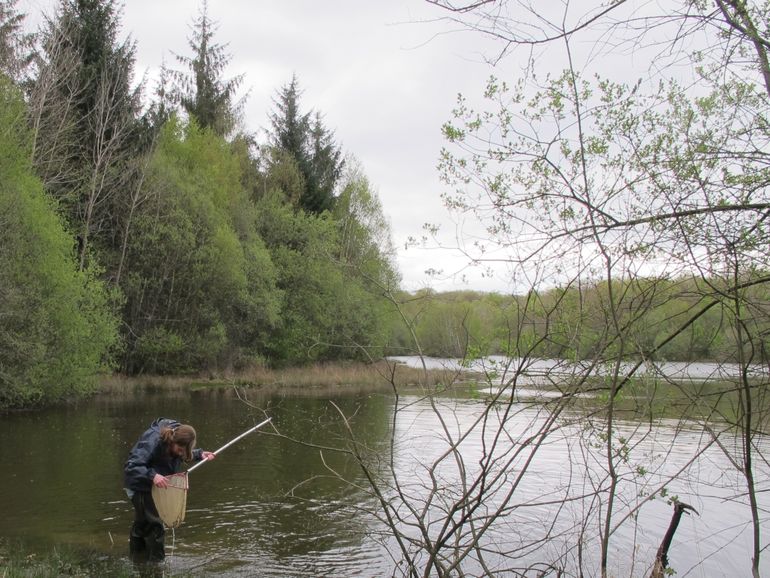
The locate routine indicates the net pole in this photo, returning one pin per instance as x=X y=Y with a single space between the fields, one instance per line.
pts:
x=232 y=441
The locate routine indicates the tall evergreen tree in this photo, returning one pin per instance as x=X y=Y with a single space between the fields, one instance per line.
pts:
x=83 y=110
x=15 y=45
x=312 y=146
x=326 y=165
x=290 y=128
x=202 y=91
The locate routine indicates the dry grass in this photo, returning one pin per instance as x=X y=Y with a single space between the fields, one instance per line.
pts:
x=327 y=377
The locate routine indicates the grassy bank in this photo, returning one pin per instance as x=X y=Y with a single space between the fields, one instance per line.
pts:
x=18 y=560
x=319 y=378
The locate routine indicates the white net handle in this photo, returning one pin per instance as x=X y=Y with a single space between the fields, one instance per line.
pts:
x=231 y=442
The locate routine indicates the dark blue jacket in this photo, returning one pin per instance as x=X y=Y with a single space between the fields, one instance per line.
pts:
x=150 y=456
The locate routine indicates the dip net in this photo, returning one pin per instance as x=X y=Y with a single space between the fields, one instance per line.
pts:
x=171 y=502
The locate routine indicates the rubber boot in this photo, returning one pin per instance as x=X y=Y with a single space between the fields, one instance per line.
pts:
x=137 y=547
x=156 y=550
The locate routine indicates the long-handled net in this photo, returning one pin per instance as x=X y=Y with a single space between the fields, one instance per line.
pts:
x=171 y=502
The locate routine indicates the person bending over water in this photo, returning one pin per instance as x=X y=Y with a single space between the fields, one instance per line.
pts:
x=159 y=452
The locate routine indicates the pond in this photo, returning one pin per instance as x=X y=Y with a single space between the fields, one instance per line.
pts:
x=268 y=506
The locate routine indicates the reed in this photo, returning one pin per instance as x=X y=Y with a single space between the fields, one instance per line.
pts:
x=341 y=376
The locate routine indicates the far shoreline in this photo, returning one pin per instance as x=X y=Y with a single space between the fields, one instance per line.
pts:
x=342 y=377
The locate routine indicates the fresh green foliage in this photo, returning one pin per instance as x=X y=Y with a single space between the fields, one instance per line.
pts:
x=57 y=329
x=570 y=322
x=229 y=255
x=329 y=310
x=634 y=219
x=201 y=286
x=649 y=209
x=221 y=255
x=365 y=241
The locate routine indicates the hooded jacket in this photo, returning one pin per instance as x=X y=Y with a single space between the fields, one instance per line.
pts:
x=150 y=456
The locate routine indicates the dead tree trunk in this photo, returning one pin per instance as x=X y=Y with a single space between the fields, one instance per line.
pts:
x=661 y=558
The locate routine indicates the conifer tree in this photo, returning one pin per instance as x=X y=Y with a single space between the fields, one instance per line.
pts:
x=83 y=112
x=15 y=45
x=312 y=146
x=202 y=91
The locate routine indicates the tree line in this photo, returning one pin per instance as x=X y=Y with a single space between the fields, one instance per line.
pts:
x=571 y=322
x=159 y=236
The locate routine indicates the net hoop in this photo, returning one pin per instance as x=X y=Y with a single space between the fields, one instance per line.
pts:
x=171 y=502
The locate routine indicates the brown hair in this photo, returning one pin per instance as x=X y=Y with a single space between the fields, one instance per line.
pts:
x=182 y=435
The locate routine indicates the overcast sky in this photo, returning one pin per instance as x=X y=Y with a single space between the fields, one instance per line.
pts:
x=384 y=74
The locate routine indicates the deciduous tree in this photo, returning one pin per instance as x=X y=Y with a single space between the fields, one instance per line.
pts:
x=83 y=111
x=623 y=193
x=57 y=329
x=200 y=284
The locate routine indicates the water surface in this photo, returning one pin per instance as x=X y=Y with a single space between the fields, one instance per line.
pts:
x=272 y=506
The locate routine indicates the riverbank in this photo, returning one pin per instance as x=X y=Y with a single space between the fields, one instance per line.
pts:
x=320 y=379
x=20 y=560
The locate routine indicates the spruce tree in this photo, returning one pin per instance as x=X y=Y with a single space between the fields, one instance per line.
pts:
x=83 y=111
x=202 y=92
x=15 y=45
x=305 y=138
